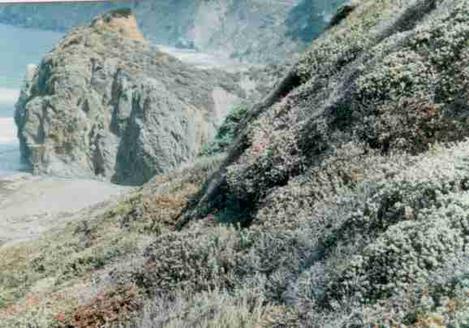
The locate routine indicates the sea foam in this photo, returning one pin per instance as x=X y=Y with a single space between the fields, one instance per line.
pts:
x=9 y=149
x=8 y=96
x=7 y=131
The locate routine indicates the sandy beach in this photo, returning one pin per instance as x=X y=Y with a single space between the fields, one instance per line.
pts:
x=30 y=205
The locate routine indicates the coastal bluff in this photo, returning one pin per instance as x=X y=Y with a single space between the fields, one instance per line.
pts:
x=106 y=103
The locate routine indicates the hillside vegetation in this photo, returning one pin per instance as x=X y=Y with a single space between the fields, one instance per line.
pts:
x=341 y=202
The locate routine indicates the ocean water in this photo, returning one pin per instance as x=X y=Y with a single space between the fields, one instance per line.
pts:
x=19 y=47
x=9 y=151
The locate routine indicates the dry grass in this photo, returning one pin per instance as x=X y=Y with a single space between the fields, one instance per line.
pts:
x=107 y=308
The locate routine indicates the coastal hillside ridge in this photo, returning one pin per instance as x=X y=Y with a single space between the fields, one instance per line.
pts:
x=106 y=103
x=254 y=31
x=338 y=200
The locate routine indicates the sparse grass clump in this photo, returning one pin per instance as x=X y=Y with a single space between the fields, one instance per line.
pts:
x=213 y=309
x=106 y=309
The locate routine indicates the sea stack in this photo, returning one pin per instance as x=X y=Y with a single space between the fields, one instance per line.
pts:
x=105 y=103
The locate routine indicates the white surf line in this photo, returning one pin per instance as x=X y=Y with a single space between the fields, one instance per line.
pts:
x=8 y=96
x=7 y=131
x=200 y=59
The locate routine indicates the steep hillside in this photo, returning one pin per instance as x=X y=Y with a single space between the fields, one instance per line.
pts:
x=354 y=172
x=106 y=103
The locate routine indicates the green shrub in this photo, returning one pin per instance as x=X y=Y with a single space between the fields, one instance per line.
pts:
x=227 y=132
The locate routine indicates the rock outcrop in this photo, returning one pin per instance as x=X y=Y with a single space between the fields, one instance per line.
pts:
x=105 y=103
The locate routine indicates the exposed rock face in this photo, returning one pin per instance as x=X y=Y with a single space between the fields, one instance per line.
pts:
x=105 y=103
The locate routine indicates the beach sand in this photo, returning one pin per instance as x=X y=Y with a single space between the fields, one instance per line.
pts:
x=30 y=206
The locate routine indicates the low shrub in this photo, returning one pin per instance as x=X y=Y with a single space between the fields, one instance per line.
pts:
x=227 y=132
x=106 y=309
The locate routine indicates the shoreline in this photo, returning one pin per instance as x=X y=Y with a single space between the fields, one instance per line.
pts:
x=32 y=205
x=10 y=157
x=8 y=131
x=9 y=96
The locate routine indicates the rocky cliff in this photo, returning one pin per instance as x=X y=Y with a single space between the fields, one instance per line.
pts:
x=255 y=31
x=105 y=103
